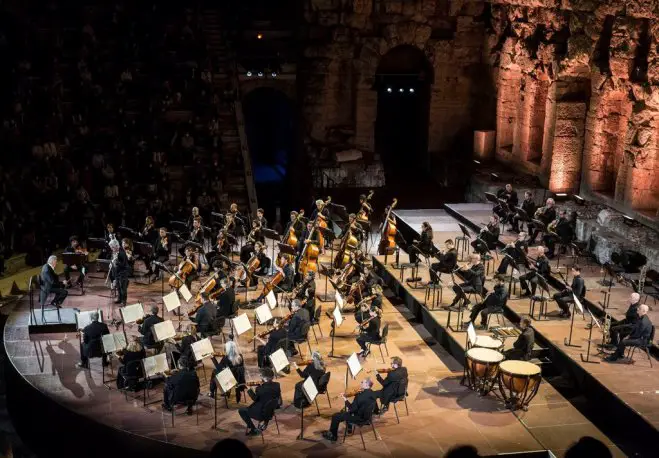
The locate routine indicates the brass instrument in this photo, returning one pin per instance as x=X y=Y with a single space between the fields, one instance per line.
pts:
x=551 y=227
x=606 y=330
x=539 y=212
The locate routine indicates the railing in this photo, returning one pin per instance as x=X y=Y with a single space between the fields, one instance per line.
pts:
x=321 y=180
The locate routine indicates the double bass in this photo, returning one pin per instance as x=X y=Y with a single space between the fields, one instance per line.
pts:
x=291 y=237
x=310 y=253
x=348 y=243
x=366 y=208
x=322 y=222
x=388 y=234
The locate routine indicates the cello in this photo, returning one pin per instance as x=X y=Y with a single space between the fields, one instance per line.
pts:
x=366 y=208
x=388 y=234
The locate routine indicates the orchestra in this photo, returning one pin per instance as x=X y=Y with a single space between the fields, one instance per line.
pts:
x=528 y=206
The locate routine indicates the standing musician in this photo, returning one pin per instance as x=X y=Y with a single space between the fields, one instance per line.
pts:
x=50 y=284
x=263 y=223
x=254 y=236
x=183 y=386
x=396 y=375
x=276 y=340
x=206 y=317
x=75 y=247
x=161 y=249
x=447 y=260
x=492 y=302
x=523 y=346
x=265 y=393
x=298 y=327
x=321 y=212
x=310 y=235
x=510 y=198
x=529 y=207
x=315 y=370
x=360 y=409
x=474 y=275
x=193 y=216
x=489 y=234
x=234 y=360
x=92 y=341
x=639 y=335
x=296 y=224
x=196 y=234
x=149 y=233
x=541 y=267
x=110 y=235
x=119 y=270
x=424 y=245
x=127 y=245
x=623 y=327
x=354 y=227
x=560 y=227
x=226 y=302
x=566 y=297
x=517 y=251
x=146 y=328
x=546 y=215
x=365 y=209
x=369 y=331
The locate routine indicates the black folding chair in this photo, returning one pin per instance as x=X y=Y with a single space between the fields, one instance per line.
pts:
x=382 y=341
x=360 y=424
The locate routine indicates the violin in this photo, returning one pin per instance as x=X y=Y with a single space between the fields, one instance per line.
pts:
x=205 y=288
x=301 y=287
x=81 y=250
x=350 y=394
x=306 y=362
x=388 y=235
x=251 y=384
x=215 y=294
x=385 y=370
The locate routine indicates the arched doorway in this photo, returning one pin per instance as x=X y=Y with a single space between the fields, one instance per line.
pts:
x=402 y=80
x=271 y=136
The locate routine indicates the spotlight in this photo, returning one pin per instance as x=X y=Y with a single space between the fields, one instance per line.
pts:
x=579 y=200
x=260 y=74
x=629 y=221
x=389 y=90
x=494 y=177
x=477 y=162
x=249 y=73
x=401 y=89
x=560 y=196
x=274 y=74
x=259 y=36
x=412 y=90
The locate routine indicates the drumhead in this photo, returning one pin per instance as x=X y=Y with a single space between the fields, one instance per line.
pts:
x=520 y=368
x=488 y=342
x=485 y=355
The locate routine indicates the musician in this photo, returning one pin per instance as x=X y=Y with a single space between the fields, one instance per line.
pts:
x=146 y=328
x=391 y=383
x=119 y=271
x=110 y=235
x=360 y=409
x=523 y=346
x=196 y=235
x=263 y=223
x=226 y=302
x=546 y=215
x=529 y=207
x=362 y=312
x=364 y=207
x=639 y=335
x=517 y=251
x=424 y=245
x=265 y=393
x=298 y=226
x=193 y=216
x=510 y=198
x=287 y=268
x=353 y=226
x=161 y=249
x=183 y=355
x=149 y=233
x=623 y=327
x=560 y=227
x=309 y=302
x=74 y=247
x=92 y=341
x=489 y=234
x=127 y=246
x=234 y=360
x=264 y=260
x=131 y=369
x=322 y=209
x=192 y=256
x=315 y=370
x=298 y=327
x=369 y=331
x=541 y=267
x=254 y=236
x=206 y=317
x=309 y=283
x=219 y=255
x=447 y=260
x=276 y=340
x=492 y=302
x=310 y=235
x=566 y=297
x=181 y=387
x=474 y=276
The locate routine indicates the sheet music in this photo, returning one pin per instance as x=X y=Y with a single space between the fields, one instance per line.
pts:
x=279 y=360
x=132 y=313
x=202 y=349
x=339 y=299
x=113 y=342
x=164 y=330
x=171 y=300
x=577 y=302
x=155 y=365
x=353 y=365
x=85 y=318
x=185 y=293
x=309 y=389
x=263 y=313
x=225 y=380
x=338 y=318
x=471 y=334
x=271 y=300
x=241 y=324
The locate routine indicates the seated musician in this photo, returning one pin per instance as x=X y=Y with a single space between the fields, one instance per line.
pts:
x=560 y=227
x=316 y=369
x=276 y=338
x=74 y=247
x=517 y=251
x=196 y=235
x=369 y=331
x=226 y=302
x=474 y=276
x=447 y=260
x=131 y=369
x=286 y=267
x=127 y=247
x=396 y=375
x=265 y=393
x=192 y=256
x=360 y=409
x=639 y=335
x=540 y=267
x=146 y=328
x=263 y=223
x=193 y=216
x=182 y=354
x=523 y=346
x=298 y=226
x=424 y=245
x=362 y=312
x=546 y=215
x=161 y=249
x=492 y=303
x=298 y=327
x=566 y=297
x=182 y=387
x=254 y=236
x=509 y=196
x=149 y=233
x=234 y=360
x=119 y=272
x=623 y=327
x=220 y=253
x=206 y=317
x=309 y=302
x=309 y=235
x=264 y=260
x=489 y=234
x=92 y=345
x=529 y=207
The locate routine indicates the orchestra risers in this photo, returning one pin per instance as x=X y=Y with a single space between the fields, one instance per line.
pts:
x=51 y=323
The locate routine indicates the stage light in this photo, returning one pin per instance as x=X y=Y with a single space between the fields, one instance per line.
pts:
x=494 y=177
x=561 y=196
x=389 y=90
x=477 y=162
x=260 y=74
x=579 y=200
x=274 y=74
x=412 y=90
x=259 y=36
x=401 y=89
x=249 y=73
x=629 y=221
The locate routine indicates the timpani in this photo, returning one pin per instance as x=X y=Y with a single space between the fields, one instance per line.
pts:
x=488 y=342
x=481 y=369
x=519 y=382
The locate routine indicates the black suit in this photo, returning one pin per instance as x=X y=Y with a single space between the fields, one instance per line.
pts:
x=492 y=303
x=545 y=217
x=565 y=297
x=298 y=327
x=275 y=339
x=529 y=208
x=82 y=269
x=262 y=396
x=517 y=254
x=624 y=327
x=51 y=284
x=131 y=370
x=565 y=235
x=185 y=356
x=542 y=268
x=299 y=399
x=369 y=334
x=160 y=253
x=181 y=387
x=238 y=371
x=146 y=329
x=206 y=319
x=490 y=236
x=523 y=346
x=391 y=385
x=360 y=409
x=425 y=246
x=640 y=335
x=510 y=198
x=475 y=277
x=119 y=273
x=447 y=262
x=92 y=342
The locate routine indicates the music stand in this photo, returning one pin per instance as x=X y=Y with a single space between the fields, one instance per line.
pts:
x=145 y=251
x=76 y=259
x=179 y=226
x=275 y=237
x=162 y=277
x=327 y=297
x=568 y=341
x=177 y=239
x=466 y=236
x=460 y=312
x=329 y=237
x=492 y=198
x=437 y=282
x=400 y=241
x=607 y=270
x=415 y=267
x=523 y=216
x=133 y=234
x=539 y=227
x=590 y=339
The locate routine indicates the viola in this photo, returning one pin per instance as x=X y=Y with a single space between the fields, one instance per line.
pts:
x=388 y=235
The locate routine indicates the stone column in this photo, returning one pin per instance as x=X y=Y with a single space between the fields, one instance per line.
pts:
x=637 y=186
x=567 y=146
x=507 y=116
x=365 y=115
x=532 y=118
